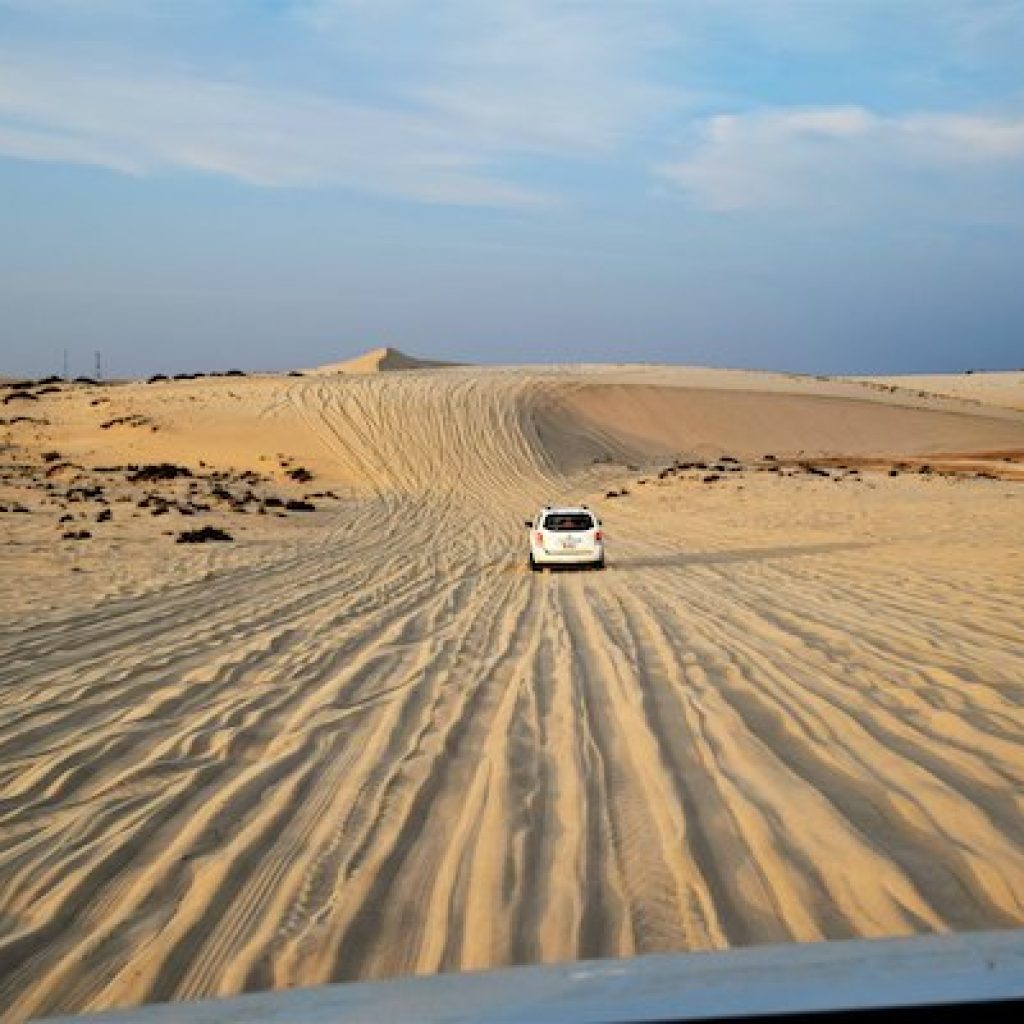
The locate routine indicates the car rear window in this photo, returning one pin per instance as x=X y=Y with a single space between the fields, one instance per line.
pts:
x=568 y=522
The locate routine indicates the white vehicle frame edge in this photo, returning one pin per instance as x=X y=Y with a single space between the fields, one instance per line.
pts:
x=565 y=535
x=965 y=977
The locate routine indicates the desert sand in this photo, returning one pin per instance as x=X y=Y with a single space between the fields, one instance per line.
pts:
x=1003 y=388
x=361 y=739
x=378 y=360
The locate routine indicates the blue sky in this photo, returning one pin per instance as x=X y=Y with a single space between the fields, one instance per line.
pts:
x=811 y=185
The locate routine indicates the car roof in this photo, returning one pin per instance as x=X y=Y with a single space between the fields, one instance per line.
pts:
x=565 y=509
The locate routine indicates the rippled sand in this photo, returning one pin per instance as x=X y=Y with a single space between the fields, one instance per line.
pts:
x=368 y=742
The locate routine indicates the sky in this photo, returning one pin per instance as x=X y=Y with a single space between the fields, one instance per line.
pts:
x=819 y=186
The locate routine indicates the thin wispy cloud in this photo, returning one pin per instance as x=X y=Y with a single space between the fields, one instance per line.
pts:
x=555 y=77
x=844 y=160
x=464 y=103
x=148 y=121
x=522 y=82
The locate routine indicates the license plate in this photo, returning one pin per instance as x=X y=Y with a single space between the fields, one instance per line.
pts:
x=570 y=542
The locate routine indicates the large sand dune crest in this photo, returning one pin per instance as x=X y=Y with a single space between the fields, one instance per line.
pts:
x=790 y=709
x=380 y=360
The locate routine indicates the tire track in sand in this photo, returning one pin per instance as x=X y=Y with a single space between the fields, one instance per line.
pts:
x=395 y=750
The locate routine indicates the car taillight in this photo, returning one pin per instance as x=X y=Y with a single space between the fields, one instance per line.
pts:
x=597 y=535
x=539 y=537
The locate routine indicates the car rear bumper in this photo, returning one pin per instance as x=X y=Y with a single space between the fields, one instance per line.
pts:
x=586 y=557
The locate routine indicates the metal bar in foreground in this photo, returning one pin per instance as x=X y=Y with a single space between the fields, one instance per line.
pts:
x=944 y=978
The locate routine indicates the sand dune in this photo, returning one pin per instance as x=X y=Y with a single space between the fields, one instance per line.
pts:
x=366 y=741
x=999 y=388
x=380 y=360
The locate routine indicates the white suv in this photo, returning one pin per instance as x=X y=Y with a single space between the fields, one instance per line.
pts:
x=565 y=536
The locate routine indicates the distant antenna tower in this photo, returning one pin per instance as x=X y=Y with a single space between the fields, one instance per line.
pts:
x=99 y=366
x=65 y=364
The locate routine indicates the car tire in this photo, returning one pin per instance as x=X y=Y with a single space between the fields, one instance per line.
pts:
x=599 y=564
x=534 y=567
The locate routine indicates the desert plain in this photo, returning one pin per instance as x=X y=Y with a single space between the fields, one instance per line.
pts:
x=355 y=737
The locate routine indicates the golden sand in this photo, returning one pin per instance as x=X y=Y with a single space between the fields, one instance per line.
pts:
x=364 y=740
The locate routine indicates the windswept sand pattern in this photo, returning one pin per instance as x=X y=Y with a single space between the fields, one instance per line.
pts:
x=394 y=750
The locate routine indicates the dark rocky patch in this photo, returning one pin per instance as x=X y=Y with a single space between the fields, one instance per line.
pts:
x=239 y=502
x=298 y=505
x=83 y=493
x=300 y=474
x=104 y=516
x=133 y=420
x=50 y=456
x=157 y=377
x=160 y=471
x=203 y=535
x=20 y=396
x=711 y=478
x=88 y=381
x=77 y=535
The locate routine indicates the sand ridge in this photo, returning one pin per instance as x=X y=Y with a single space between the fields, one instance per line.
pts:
x=366 y=741
x=380 y=360
x=1000 y=388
